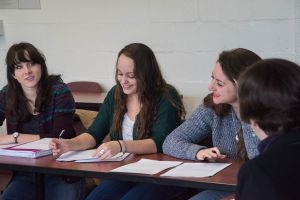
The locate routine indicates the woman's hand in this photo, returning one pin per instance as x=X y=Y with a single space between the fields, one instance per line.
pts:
x=211 y=154
x=81 y=142
x=108 y=150
x=60 y=146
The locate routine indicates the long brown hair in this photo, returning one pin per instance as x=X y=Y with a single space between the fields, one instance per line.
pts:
x=150 y=86
x=17 y=108
x=233 y=63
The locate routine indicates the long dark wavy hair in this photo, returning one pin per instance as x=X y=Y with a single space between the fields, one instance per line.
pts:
x=233 y=63
x=150 y=86
x=17 y=108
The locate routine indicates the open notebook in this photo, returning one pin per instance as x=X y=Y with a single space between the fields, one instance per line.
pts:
x=86 y=156
x=33 y=149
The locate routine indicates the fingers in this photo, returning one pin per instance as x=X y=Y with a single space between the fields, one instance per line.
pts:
x=55 y=152
x=102 y=153
x=53 y=143
x=211 y=154
x=57 y=146
x=215 y=150
x=107 y=150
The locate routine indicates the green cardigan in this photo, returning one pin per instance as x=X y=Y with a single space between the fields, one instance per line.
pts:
x=167 y=120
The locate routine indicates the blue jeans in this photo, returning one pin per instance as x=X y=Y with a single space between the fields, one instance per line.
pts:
x=211 y=195
x=23 y=187
x=122 y=190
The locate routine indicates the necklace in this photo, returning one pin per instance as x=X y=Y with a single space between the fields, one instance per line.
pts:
x=239 y=131
x=234 y=120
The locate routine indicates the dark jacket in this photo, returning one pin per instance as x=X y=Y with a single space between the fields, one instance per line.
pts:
x=275 y=173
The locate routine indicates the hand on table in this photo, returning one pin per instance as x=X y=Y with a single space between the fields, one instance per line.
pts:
x=108 y=150
x=211 y=154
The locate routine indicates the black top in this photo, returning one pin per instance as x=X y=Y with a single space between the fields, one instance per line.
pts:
x=275 y=173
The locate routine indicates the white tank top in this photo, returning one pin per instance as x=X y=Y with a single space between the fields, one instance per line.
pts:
x=127 y=128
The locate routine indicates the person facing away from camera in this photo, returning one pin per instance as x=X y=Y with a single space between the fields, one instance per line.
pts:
x=36 y=105
x=269 y=94
x=138 y=113
x=217 y=118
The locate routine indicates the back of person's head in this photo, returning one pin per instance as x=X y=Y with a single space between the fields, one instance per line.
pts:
x=146 y=68
x=269 y=93
x=23 y=52
x=233 y=63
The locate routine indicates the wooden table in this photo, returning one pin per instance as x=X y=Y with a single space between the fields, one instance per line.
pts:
x=224 y=180
x=88 y=100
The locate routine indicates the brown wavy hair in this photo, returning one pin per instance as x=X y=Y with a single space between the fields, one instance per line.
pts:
x=150 y=86
x=233 y=63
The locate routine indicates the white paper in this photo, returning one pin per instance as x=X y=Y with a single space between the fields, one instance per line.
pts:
x=197 y=170
x=33 y=149
x=7 y=145
x=146 y=166
x=118 y=157
x=42 y=144
x=86 y=156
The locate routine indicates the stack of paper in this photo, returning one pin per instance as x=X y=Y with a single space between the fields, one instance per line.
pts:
x=33 y=149
x=197 y=170
x=180 y=169
x=147 y=166
x=86 y=156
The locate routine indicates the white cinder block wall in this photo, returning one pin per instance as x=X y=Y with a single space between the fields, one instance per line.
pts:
x=297 y=30
x=81 y=39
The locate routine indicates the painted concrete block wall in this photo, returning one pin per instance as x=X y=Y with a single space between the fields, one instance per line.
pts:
x=81 y=39
x=297 y=30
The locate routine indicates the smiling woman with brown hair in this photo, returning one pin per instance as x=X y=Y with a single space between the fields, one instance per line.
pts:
x=219 y=118
x=36 y=105
x=137 y=113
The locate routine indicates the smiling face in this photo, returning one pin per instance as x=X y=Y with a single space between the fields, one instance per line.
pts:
x=223 y=90
x=28 y=74
x=125 y=75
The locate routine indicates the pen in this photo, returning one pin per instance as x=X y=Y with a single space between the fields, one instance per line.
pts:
x=61 y=133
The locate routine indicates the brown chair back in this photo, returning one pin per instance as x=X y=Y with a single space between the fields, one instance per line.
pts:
x=85 y=86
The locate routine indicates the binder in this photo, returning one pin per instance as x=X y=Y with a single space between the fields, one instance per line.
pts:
x=33 y=149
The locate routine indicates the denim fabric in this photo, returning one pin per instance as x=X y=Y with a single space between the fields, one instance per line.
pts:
x=23 y=187
x=211 y=195
x=121 y=190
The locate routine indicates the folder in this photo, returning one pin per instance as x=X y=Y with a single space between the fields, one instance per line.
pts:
x=33 y=149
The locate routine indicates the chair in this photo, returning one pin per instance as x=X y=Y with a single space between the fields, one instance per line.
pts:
x=84 y=86
x=87 y=95
x=78 y=125
x=5 y=176
x=82 y=119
